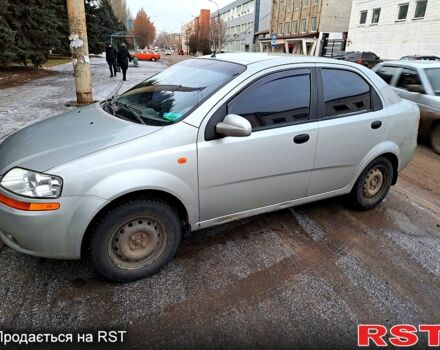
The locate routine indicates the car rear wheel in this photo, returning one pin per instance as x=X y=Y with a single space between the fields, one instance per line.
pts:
x=134 y=240
x=435 y=139
x=373 y=184
x=153 y=59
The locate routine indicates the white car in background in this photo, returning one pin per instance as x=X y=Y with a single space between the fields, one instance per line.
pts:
x=417 y=81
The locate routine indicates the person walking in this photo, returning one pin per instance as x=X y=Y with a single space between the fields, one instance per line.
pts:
x=123 y=59
x=110 y=57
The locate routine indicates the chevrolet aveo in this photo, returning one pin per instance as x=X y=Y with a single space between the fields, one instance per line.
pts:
x=204 y=142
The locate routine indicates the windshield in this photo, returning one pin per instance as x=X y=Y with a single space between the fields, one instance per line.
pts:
x=434 y=77
x=172 y=94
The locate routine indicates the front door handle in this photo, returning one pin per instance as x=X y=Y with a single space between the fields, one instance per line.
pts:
x=303 y=138
x=376 y=125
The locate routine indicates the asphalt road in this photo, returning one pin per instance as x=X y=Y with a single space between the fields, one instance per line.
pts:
x=304 y=276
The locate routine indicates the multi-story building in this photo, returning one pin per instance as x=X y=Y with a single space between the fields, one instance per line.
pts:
x=263 y=14
x=199 y=24
x=309 y=27
x=395 y=28
x=240 y=23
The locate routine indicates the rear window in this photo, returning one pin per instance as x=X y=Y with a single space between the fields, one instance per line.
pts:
x=353 y=55
x=387 y=73
x=172 y=94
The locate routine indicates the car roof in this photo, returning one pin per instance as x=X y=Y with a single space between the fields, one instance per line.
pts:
x=413 y=64
x=249 y=58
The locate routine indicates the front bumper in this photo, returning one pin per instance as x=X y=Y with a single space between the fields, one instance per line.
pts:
x=51 y=234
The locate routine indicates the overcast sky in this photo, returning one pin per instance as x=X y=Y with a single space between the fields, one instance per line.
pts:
x=169 y=15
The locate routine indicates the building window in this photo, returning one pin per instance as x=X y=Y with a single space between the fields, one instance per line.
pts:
x=287 y=29
x=304 y=25
x=421 y=8
x=280 y=29
x=295 y=26
x=306 y=3
x=376 y=16
x=296 y=4
x=363 y=19
x=315 y=2
x=289 y=5
x=314 y=28
x=403 y=12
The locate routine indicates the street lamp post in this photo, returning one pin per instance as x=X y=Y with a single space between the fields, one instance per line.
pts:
x=218 y=24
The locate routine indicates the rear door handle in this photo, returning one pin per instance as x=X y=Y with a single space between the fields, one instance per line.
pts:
x=303 y=138
x=376 y=125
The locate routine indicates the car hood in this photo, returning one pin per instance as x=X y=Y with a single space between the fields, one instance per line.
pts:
x=68 y=136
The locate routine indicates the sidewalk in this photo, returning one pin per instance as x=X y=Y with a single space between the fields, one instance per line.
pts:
x=42 y=98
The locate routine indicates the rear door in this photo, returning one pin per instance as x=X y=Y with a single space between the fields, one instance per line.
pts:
x=351 y=124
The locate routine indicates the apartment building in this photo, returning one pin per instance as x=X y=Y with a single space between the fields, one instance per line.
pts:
x=308 y=27
x=199 y=24
x=240 y=24
x=395 y=28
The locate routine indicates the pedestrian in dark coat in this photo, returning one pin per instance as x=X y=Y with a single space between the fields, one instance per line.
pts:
x=123 y=59
x=110 y=57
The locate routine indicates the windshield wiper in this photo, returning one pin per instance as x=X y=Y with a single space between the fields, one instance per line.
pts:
x=135 y=112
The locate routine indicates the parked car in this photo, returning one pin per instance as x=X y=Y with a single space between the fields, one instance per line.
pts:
x=167 y=52
x=418 y=82
x=204 y=142
x=148 y=55
x=367 y=59
x=420 y=58
x=181 y=53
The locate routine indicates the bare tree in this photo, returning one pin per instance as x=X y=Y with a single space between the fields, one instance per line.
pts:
x=121 y=10
x=217 y=34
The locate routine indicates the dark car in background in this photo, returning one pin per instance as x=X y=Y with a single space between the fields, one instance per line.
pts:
x=364 y=58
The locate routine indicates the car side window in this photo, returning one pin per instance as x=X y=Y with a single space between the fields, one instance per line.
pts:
x=387 y=73
x=408 y=77
x=346 y=93
x=277 y=100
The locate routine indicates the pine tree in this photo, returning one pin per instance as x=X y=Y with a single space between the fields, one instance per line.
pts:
x=7 y=36
x=35 y=25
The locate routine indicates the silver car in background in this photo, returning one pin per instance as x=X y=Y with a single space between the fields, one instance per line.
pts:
x=417 y=81
x=205 y=142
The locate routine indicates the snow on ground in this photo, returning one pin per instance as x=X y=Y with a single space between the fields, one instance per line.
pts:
x=42 y=98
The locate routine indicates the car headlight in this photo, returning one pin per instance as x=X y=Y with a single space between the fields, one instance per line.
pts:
x=32 y=184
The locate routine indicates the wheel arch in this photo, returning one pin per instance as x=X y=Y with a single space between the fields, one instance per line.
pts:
x=161 y=195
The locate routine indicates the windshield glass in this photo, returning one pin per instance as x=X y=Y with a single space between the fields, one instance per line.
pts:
x=172 y=94
x=434 y=77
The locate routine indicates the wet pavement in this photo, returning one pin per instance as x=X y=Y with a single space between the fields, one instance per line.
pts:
x=300 y=277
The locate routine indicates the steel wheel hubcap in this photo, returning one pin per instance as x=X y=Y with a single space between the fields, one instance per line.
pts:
x=137 y=243
x=373 y=183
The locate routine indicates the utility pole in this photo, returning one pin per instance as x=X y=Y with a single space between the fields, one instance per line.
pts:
x=80 y=51
x=217 y=32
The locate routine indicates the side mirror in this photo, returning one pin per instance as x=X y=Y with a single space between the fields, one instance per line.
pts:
x=234 y=125
x=416 y=88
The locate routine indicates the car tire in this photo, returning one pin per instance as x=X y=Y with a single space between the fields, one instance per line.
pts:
x=435 y=139
x=373 y=184
x=134 y=240
x=153 y=59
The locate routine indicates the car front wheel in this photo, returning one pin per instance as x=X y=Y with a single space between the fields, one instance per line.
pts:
x=134 y=240
x=153 y=59
x=435 y=139
x=373 y=184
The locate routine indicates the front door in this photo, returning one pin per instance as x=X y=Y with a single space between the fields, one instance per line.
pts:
x=271 y=166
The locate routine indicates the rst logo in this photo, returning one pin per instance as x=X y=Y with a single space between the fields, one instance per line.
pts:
x=402 y=335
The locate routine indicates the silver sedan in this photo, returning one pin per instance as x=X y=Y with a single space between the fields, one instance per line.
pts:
x=205 y=142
